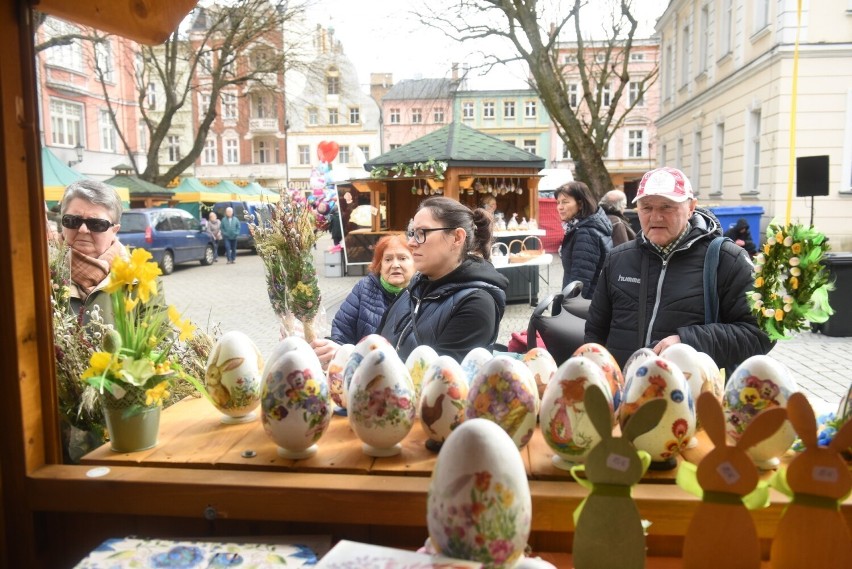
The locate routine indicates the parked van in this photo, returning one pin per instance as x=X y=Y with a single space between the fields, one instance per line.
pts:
x=171 y=235
x=258 y=212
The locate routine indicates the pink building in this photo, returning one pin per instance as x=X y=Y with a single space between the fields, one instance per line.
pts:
x=415 y=107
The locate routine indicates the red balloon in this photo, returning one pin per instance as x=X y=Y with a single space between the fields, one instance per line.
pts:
x=327 y=150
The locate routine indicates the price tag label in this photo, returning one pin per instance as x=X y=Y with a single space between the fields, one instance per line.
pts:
x=728 y=473
x=618 y=462
x=825 y=474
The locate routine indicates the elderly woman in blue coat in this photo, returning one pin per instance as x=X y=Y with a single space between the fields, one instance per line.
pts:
x=362 y=310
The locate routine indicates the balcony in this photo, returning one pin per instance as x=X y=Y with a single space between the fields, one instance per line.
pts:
x=263 y=125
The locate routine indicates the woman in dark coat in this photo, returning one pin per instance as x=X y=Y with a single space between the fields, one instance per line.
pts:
x=588 y=236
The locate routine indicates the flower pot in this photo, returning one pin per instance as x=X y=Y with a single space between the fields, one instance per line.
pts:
x=132 y=426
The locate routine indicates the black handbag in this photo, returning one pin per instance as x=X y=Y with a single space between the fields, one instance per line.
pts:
x=563 y=329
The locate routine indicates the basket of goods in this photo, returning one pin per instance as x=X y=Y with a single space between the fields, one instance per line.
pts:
x=525 y=252
x=499 y=254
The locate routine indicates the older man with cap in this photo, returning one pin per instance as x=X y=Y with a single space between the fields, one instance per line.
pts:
x=651 y=290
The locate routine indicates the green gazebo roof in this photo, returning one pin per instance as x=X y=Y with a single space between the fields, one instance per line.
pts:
x=459 y=145
x=55 y=172
x=138 y=187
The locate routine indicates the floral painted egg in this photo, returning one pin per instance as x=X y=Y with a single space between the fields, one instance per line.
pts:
x=296 y=408
x=658 y=378
x=418 y=362
x=543 y=367
x=759 y=383
x=686 y=358
x=565 y=425
x=443 y=400
x=381 y=402
x=233 y=377
x=714 y=378
x=479 y=506
x=334 y=373
x=504 y=392
x=473 y=361
x=604 y=359
x=366 y=345
x=634 y=360
x=289 y=344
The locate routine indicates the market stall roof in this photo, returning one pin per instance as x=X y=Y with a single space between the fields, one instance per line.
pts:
x=192 y=190
x=459 y=145
x=56 y=176
x=138 y=188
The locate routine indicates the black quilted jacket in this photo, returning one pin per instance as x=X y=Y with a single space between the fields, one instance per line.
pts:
x=583 y=249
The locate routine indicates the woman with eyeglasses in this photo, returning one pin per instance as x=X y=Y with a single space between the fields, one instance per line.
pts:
x=588 y=236
x=456 y=299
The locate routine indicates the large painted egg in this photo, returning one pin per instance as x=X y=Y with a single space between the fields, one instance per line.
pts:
x=565 y=425
x=233 y=376
x=714 y=378
x=658 y=378
x=296 y=408
x=335 y=373
x=607 y=363
x=473 y=362
x=479 y=506
x=759 y=383
x=504 y=392
x=443 y=400
x=366 y=345
x=634 y=360
x=289 y=344
x=381 y=402
x=686 y=358
x=417 y=362
x=543 y=367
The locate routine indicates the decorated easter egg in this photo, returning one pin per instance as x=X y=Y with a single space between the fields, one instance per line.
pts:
x=443 y=400
x=759 y=383
x=473 y=361
x=418 y=362
x=634 y=360
x=296 y=408
x=381 y=402
x=334 y=373
x=479 y=506
x=658 y=378
x=288 y=344
x=607 y=363
x=686 y=358
x=366 y=345
x=565 y=425
x=714 y=378
x=543 y=367
x=233 y=377
x=504 y=391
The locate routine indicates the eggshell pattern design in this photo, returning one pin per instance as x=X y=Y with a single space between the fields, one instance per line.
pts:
x=543 y=367
x=418 y=362
x=658 y=378
x=443 y=401
x=335 y=372
x=473 y=362
x=296 y=409
x=381 y=403
x=479 y=506
x=504 y=392
x=604 y=359
x=759 y=383
x=233 y=377
x=362 y=348
x=565 y=425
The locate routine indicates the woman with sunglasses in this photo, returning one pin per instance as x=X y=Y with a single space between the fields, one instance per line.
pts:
x=456 y=300
x=90 y=214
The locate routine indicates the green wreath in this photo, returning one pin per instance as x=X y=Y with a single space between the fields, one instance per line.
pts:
x=790 y=282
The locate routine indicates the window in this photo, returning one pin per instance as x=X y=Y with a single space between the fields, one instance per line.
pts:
x=416 y=116
x=761 y=15
x=695 y=162
x=152 y=96
x=637 y=57
x=354 y=115
x=573 y=90
x=664 y=155
x=679 y=154
x=726 y=28
x=570 y=59
x=600 y=57
x=232 y=151
x=203 y=103
x=753 y=152
x=530 y=109
x=332 y=116
x=313 y=117
x=634 y=94
x=606 y=95
x=261 y=106
x=69 y=55
x=685 y=48
x=173 y=148
x=304 y=154
x=566 y=153
x=467 y=110
x=718 y=159
x=394 y=116
x=142 y=136
x=703 y=38
x=488 y=110
x=229 y=106
x=508 y=109
x=668 y=89
x=529 y=146
x=107 y=131
x=365 y=151
x=438 y=115
x=103 y=59
x=635 y=143
x=509 y=141
x=263 y=152
x=205 y=62
x=343 y=154
x=394 y=146
x=333 y=84
x=66 y=122
x=261 y=59
x=208 y=156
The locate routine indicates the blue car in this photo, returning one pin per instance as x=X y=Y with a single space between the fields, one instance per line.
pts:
x=171 y=235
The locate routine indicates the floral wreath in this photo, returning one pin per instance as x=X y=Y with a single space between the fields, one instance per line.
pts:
x=790 y=283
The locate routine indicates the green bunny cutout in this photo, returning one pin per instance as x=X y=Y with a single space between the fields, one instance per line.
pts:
x=608 y=529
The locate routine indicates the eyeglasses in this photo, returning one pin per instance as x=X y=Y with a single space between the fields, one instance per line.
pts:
x=419 y=235
x=94 y=224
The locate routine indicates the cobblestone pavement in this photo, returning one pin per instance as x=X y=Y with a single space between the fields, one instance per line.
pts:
x=235 y=297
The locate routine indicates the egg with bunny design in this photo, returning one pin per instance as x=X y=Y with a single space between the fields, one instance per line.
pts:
x=233 y=377
x=722 y=533
x=608 y=528
x=812 y=531
x=443 y=400
x=334 y=373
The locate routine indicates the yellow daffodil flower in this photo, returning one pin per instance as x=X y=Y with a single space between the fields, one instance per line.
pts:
x=156 y=394
x=187 y=328
x=758 y=282
x=130 y=304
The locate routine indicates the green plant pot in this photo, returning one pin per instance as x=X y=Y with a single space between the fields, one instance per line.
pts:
x=132 y=432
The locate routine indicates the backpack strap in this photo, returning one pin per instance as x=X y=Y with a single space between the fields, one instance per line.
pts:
x=711 y=269
x=643 y=298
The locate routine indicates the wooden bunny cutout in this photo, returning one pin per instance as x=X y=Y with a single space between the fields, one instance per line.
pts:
x=722 y=532
x=812 y=531
x=608 y=530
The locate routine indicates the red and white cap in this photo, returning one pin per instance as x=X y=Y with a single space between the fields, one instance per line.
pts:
x=666 y=182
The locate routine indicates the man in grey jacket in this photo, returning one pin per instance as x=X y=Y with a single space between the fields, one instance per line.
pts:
x=651 y=289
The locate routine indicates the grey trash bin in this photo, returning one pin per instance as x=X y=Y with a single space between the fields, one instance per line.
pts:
x=840 y=299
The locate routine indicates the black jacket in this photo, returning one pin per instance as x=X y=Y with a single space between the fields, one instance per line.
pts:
x=675 y=299
x=453 y=314
x=583 y=249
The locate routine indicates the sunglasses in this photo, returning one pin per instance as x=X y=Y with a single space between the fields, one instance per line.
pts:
x=94 y=224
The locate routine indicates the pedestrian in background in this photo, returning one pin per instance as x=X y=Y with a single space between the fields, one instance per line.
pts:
x=230 y=227
x=214 y=228
x=741 y=235
x=613 y=203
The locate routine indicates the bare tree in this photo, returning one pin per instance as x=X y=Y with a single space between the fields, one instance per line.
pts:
x=218 y=47
x=602 y=65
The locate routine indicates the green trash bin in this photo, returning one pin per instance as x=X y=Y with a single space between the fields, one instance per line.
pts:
x=839 y=323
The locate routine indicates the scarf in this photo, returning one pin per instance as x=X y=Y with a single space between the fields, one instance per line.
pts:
x=88 y=272
x=393 y=289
